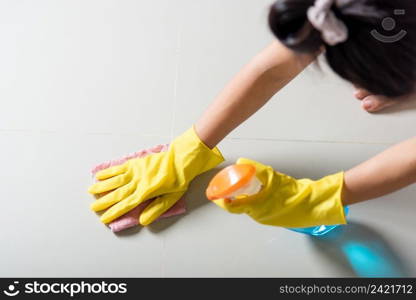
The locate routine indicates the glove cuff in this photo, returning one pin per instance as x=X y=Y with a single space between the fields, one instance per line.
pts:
x=215 y=155
x=333 y=207
x=322 y=201
x=195 y=157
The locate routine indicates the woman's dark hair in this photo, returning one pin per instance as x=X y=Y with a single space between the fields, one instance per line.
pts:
x=366 y=59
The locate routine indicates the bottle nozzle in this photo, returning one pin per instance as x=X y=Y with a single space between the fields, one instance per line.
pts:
x=230 y=180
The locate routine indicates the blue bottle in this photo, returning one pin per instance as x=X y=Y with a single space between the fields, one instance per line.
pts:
x=318 y=230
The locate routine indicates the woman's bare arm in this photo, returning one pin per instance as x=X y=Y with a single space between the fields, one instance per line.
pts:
x=385 y=173
x=251 y=88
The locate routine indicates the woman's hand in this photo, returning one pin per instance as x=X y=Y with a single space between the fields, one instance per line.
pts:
x=288 y=202
x=164 y=176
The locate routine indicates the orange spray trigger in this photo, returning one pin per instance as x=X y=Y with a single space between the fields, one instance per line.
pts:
x=230 y=180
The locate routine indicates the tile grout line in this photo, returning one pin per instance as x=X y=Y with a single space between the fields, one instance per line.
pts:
x=29 y=131
x=312 y=141
x=175 y=83
x=91 y=133
x=174 y=102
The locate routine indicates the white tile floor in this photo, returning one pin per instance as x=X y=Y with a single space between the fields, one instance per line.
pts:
x=88 y=80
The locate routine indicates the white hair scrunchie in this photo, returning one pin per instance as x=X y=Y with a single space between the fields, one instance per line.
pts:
x=322 y=18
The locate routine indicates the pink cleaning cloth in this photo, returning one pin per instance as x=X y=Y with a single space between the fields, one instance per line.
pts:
x=131 y=218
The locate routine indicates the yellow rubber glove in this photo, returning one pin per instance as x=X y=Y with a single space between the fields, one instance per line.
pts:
x=165 y=175
x=287 y=202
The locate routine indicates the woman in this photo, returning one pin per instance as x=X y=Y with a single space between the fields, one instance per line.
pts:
x=384 y=72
